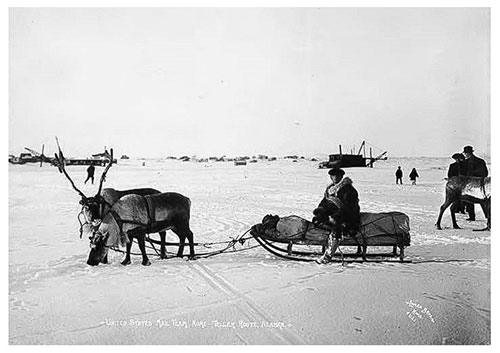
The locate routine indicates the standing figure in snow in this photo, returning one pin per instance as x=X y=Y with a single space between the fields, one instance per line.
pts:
x=90 y=174
x=399 y=176
x=413 y=176
x=338 y=211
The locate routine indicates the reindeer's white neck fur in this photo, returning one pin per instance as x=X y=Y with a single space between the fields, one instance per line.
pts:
x=110 y=226
x=129 y=209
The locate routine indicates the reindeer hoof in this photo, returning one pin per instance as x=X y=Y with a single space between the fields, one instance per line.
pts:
x=456 y=227
x=126 y=262
x=438 y=227
x=163 y=257
x=146 y=263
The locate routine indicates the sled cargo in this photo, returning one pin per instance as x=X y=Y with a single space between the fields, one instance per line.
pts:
x=376 y=229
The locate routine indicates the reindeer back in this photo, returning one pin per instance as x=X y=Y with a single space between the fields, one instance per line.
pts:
x=468 y=186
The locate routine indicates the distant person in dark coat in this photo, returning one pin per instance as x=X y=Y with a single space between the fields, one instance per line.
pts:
x=338 y=211
x=476 y=167
x=413 y=176
x=90 y=173
x=399 y=175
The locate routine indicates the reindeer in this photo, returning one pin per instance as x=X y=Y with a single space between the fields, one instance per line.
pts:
x=99 y=207
x=134 y=216
x=469 y=189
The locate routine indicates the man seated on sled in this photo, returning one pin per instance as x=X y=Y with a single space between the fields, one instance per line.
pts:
x=338 y=211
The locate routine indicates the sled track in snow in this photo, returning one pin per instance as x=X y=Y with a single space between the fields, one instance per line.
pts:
x=245 y=305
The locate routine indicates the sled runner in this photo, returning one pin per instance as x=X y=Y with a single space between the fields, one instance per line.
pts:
x=376 y=229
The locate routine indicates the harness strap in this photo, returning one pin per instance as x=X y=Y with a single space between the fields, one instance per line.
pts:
x=103 y=202
x=305 y=230
x=120 y=222
x=150 y=211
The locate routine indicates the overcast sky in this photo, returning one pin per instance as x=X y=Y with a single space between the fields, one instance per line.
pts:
x=173 y=81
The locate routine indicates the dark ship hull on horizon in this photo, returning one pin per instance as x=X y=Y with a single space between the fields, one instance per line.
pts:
x=352 y=160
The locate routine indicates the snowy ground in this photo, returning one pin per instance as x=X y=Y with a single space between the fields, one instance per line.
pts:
x=248 y=297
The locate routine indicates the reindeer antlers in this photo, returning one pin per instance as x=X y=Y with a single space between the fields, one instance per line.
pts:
x=60 y=166
x=103 y=176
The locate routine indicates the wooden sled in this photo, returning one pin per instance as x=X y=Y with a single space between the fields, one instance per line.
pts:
x=282 y=236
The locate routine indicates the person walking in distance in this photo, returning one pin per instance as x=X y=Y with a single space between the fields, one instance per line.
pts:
x=399 y=176
x=413 y=176
x=90 y=173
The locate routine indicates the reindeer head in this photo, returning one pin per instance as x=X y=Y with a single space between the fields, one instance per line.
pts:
x=106 y=234
x=93 y=207
x=98 y=247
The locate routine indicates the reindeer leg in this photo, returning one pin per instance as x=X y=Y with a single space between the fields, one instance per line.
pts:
x=184 y=232
x=455 y=206
x=443 y=208
x=454 y=220
x=142 y=246
x=182 y=241
x=189 y=235
x=486 y=205
x=127 y=261
x=163 y=250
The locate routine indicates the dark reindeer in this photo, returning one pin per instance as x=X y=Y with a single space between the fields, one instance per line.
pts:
x=134 y=216
x=98 y=207
x=469 y=189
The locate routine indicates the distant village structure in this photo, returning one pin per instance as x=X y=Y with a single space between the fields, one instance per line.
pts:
x=340 y=160
x=99 y=159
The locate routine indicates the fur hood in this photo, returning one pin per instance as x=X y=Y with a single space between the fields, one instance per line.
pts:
x=332 y=190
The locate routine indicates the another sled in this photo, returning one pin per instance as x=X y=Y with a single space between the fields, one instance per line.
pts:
x=376 y=229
